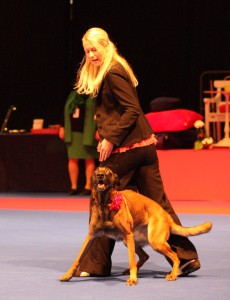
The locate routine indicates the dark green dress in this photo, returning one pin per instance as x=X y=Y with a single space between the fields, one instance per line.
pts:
x=80 y=132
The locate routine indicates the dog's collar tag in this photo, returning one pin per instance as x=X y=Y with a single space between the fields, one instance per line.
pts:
x=117 y=201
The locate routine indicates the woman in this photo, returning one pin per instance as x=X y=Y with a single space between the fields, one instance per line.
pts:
x=127 y=142
x=78 y=133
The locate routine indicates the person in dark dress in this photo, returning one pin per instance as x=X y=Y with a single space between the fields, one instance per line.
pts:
x=126 y=145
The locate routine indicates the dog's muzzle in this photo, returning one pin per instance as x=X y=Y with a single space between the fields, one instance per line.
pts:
x=102 y=184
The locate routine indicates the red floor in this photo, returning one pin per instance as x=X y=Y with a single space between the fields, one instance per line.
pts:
x=82 y=204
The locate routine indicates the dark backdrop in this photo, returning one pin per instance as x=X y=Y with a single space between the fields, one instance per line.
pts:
x=169 y=44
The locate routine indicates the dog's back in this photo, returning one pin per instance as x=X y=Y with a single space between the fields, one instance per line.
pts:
x=145 y=211
x=142 y=207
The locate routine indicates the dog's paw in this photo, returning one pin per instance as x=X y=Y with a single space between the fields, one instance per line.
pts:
x=66 y=277
x=171 y=276
x=131 y=281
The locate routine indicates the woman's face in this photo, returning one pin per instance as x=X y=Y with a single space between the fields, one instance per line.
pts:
x=94 y=54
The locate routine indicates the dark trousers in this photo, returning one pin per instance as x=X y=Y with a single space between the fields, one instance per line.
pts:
x=138 y=167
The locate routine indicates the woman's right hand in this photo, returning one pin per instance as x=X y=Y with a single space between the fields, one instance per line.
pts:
x=105 y=148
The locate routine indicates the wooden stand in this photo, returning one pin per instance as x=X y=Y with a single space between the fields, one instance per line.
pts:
x=225 y=142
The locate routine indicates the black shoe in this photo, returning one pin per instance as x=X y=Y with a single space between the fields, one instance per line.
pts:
x=190 y=266
x=85 y=192
x=73 y=192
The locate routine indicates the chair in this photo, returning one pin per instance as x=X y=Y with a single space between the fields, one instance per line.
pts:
x=217 y=109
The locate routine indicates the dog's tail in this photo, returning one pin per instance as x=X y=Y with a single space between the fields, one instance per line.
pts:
x=190 y=231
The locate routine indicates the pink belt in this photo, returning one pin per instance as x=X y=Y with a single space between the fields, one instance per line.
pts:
x=149 y=141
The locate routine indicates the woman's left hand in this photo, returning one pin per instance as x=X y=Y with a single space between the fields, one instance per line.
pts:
x=96 y=136
x=61 y=133
x=105 y=148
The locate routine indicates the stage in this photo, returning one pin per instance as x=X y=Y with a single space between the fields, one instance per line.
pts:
x=39 y=164
x=42 y=233
x=196 y=175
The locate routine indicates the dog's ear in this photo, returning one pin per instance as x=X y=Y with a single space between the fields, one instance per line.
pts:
x=116 y=180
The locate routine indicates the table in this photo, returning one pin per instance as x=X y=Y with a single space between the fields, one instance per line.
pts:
x=33 y=163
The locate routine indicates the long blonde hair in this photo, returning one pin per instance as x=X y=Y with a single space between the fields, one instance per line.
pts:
x=89 y=77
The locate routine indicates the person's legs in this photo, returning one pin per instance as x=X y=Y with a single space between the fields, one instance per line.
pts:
x=97 y=260
x=89 y=169
x=149 y=181
x=141 y=165
x=150 y=184
x=73 y=172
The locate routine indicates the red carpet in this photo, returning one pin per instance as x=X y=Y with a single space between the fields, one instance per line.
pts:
x=63 y=204
x=82 y=204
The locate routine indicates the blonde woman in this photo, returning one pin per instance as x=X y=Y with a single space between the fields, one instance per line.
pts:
x=127 y=142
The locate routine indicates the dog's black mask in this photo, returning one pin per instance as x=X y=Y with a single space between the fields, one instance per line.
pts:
x=103 y=179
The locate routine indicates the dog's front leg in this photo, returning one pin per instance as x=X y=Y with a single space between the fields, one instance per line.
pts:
x=70 y=273
x=132 y=259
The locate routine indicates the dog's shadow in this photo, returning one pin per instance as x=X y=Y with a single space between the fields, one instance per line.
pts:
x=118 y=276
x=117 y=271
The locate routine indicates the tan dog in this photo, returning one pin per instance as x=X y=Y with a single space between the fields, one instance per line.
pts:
x=134 y=219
